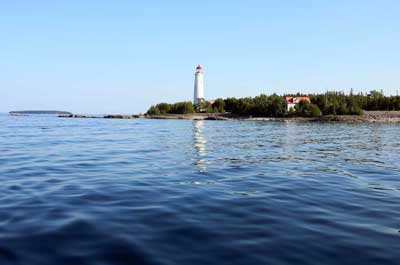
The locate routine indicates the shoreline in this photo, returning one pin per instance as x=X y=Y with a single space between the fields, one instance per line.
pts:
x=366 y=117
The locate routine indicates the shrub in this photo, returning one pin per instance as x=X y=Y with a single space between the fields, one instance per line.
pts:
x=153 y=111
x=313 y=110
x=177 y=108
x=218 y=105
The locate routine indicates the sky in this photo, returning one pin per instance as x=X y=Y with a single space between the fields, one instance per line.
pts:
x=123 y=56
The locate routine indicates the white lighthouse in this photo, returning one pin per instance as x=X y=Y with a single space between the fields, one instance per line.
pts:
x=198 y=86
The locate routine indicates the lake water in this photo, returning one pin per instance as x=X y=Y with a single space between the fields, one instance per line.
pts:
x=96 y=191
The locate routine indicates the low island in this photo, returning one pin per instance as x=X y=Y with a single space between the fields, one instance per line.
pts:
x=373 y=107
x=46 y=112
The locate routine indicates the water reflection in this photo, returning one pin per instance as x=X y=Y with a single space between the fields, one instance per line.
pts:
x=291 y=136
x=376 y=137
x=199 y=143
x=268 y=186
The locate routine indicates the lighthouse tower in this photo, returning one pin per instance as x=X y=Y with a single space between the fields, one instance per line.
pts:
x=198 y=86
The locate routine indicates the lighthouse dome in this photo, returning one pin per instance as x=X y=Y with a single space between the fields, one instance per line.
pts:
x=199 y=67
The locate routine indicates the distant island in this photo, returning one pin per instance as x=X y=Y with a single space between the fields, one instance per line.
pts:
x=53 y=112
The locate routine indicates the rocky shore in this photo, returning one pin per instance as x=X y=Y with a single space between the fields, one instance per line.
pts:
x=366 y=117
x=117 y=116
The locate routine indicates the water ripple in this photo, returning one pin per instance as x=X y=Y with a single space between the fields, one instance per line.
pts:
x=82 y=191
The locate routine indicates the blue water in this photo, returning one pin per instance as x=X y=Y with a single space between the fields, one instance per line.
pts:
x=95 y=191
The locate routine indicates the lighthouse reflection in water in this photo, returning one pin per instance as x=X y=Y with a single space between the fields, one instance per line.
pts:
x=199 y=144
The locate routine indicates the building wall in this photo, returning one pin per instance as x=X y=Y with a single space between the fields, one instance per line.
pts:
x=290 y=106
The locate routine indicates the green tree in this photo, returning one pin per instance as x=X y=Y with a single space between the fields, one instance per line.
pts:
x=185 y=107
x=164 y=108
x=153 y=111
x=313 y=110
x=301 y=108
x=230 y=104
x=219 y=105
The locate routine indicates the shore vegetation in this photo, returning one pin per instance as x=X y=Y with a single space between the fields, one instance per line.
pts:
x=329 y=103
x=185 y=107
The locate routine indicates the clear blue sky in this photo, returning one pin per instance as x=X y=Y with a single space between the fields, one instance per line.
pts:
x=122 y=56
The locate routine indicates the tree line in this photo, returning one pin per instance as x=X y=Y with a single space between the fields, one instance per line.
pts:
x=329 y=103
x=184 y=107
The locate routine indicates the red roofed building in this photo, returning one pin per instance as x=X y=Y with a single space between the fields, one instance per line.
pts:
x=291 y=102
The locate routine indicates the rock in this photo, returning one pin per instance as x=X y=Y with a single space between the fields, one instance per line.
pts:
x=78 y=116
x=119 y=116
x=216 y=118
